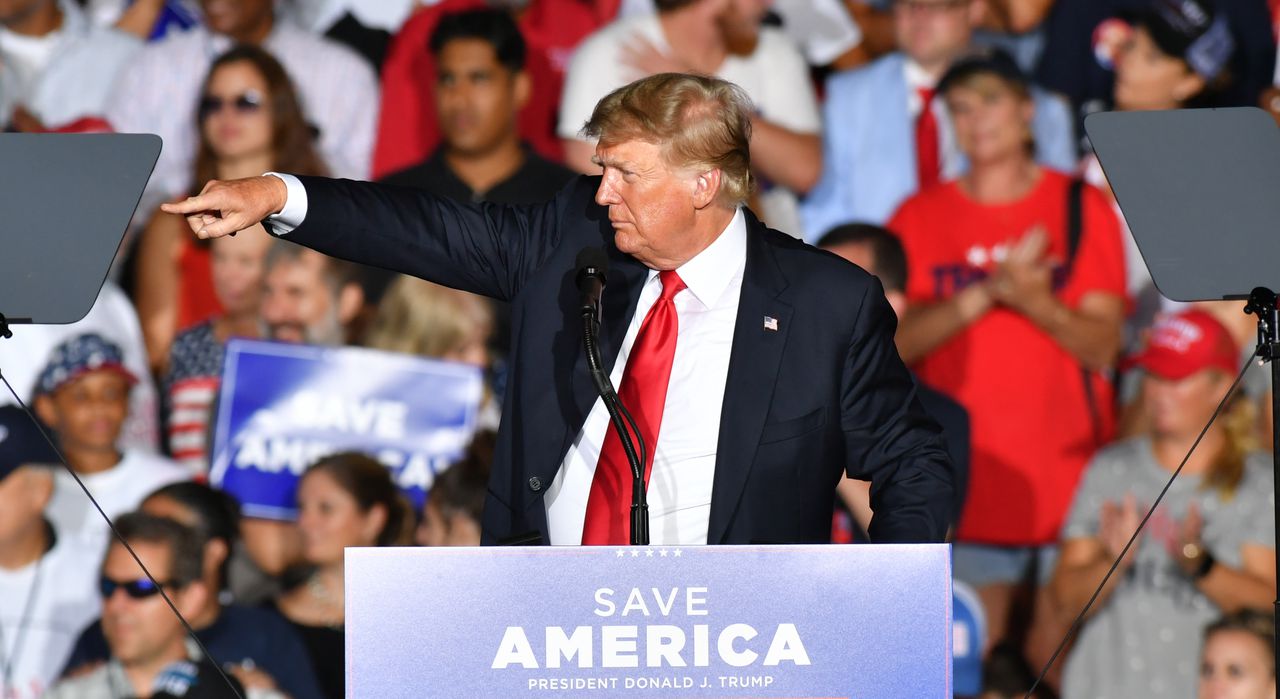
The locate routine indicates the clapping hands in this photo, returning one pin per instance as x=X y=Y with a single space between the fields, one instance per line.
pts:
x=1024 y=277
x=1116 y=524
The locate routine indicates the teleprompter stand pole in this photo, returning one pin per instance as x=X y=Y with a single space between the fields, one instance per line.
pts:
x=1262 y=303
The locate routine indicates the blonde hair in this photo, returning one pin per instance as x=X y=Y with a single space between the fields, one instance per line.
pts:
x=1239 y=422
x=418 y=317
x=699 y=121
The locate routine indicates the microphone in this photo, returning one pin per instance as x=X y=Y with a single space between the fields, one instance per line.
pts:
x=593 y=268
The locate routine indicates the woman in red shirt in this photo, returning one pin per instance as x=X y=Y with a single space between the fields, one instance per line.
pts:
x=1004 y=319
x=250 y=121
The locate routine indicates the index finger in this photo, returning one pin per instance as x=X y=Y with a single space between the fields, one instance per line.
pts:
x=190 y=205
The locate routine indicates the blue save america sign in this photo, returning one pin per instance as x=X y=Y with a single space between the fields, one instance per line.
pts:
x=704 y=621
x=284 y=406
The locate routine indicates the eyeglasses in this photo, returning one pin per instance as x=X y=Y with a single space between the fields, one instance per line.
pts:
x=248 y=103
x=136 y=589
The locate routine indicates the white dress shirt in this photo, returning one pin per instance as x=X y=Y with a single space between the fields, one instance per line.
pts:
x=948 y=150
x=684 y=460
x=685 y=457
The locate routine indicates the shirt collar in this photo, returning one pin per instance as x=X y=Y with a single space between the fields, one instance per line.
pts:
x=916 y=76
x=710 y=272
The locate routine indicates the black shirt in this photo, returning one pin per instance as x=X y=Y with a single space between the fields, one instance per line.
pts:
x=536 y=181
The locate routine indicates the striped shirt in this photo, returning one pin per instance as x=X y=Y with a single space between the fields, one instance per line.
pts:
x=190 y=389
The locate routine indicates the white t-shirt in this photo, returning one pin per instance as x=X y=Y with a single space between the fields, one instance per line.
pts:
x=775 y=77
x=66 y=74
x=23 y=356
x=43 y=608
x=118 y=490
x=23 y=58
x=824 y=29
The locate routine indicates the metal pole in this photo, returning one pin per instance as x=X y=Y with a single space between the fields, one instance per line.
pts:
x=1262 y=303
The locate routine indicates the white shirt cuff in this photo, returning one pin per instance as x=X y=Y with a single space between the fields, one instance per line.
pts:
x=295 y=205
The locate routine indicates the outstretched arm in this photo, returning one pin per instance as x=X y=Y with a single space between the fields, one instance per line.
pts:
x=228 y=207
x=486 y=249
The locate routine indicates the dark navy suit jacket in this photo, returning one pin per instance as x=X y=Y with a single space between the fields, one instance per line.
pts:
x=823 y=393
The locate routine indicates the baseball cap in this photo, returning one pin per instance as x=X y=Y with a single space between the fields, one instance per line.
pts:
x=1192 y=30
x=80 y=355
x=1182 y=344
x=983 y=61
x=21 y=442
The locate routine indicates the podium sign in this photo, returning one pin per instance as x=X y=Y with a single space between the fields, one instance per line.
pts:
x=706 y=621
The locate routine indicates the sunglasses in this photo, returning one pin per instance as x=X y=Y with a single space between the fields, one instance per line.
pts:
x=136 y=589
x=247 y=103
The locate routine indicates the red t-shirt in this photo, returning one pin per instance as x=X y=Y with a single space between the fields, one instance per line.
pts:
x=1032 y=430
x=197 y=300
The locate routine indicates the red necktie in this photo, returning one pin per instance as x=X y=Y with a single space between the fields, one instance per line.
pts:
x=644 y=392
x=928 y=162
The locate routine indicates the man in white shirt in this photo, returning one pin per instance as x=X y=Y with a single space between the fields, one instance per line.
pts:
x=700 y=36
x=46 y=580
x=759 y=369
x=44 y=74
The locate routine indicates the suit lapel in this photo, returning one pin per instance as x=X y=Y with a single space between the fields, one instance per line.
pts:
x=759 y=336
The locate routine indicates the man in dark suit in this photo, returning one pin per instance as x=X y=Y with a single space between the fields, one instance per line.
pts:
x=759 y=369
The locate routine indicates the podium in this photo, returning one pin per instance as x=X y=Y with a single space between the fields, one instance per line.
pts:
x=703 y=621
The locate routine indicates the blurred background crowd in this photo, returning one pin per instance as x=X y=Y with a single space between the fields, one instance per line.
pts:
x=936 y=143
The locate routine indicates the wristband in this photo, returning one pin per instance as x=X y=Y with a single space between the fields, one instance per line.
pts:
x=1207 y=562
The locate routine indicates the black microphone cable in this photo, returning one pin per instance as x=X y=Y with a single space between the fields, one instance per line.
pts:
x=1079 y=620
x=116 y=533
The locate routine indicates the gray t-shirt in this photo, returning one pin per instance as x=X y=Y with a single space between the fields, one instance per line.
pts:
x=1145 y=639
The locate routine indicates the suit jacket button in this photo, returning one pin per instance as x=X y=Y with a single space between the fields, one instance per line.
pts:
x=535 y=484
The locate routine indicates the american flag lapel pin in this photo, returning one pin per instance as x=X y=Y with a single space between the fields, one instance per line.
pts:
x=771 y=323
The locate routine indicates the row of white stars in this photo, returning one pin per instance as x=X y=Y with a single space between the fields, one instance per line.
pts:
x=648 y=553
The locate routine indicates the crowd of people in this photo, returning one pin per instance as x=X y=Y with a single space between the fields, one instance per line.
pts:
x=936 y=143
